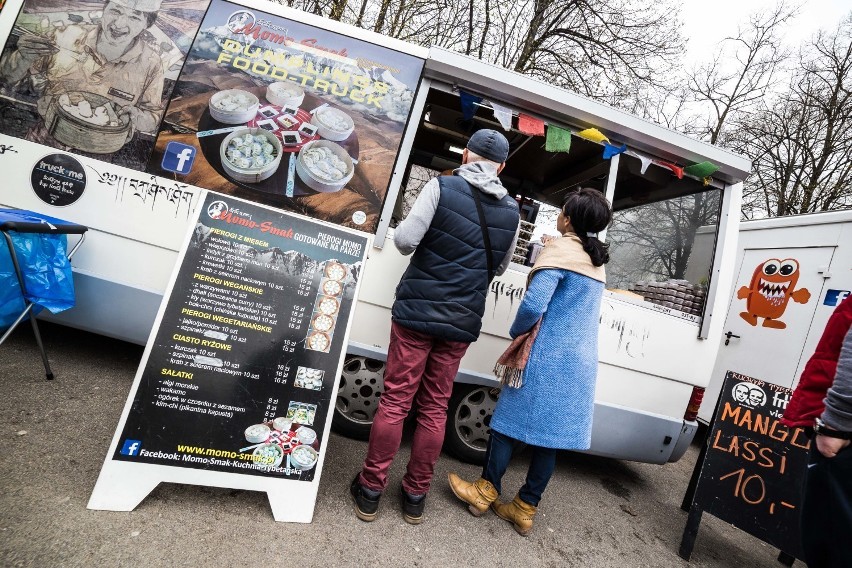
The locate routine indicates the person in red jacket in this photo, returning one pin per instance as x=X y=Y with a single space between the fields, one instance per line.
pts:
x=822 y=402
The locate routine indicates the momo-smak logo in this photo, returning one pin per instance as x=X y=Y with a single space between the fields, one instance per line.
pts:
x=217 y=210
x=131 y=447
x=178 y=158
x=239 y=21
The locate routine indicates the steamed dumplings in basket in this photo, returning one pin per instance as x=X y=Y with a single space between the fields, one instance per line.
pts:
x=250 y=152
x=235 y=102
x=103 y=115
x=324 y=164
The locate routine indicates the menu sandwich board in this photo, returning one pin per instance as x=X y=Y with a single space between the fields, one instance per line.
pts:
x=237 y=381
x=752 y=468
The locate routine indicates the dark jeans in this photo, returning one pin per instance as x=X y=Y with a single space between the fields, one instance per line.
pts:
x=827 y=510
x=497 y=458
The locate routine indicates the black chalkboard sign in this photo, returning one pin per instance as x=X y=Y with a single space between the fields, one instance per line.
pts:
x=238 y=381
x=752 y=468
x=243 y=364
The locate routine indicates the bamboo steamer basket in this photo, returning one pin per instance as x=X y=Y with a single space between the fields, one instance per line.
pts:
x=330 y=133
x=251 y=175
x=233 y=116
x=283 y=94
x=317 y=183
x=80 y=134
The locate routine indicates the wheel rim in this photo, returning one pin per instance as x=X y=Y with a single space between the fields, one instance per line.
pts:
x=472 y=418
x=361 y=385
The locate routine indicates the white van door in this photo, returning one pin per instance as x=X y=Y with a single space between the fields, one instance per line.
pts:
x=775 y=296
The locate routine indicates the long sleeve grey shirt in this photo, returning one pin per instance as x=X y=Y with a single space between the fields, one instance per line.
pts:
x=838 y=400
x=482 y=176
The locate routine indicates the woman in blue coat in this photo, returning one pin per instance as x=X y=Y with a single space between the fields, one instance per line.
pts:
x=549 y=398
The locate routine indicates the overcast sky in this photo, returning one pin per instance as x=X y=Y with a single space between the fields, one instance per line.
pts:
x=707 y=23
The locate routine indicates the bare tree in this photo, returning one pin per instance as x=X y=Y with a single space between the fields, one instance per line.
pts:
x=801 y=144
x=590 y=46
x=741 y=74
x=656 y=240
x=601 y=48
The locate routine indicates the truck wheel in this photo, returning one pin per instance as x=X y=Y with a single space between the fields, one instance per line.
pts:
x=468 y=421
x=361 y=384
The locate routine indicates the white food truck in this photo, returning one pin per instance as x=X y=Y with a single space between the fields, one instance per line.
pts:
x=808 y=258
x=660 y=327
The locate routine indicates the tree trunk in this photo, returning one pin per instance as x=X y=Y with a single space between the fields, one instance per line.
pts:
x=383 y=12
x=396 y=25
x=485 y=28
x=337 y=9
x=531 y=40
x=469 y=28
x=360 y=21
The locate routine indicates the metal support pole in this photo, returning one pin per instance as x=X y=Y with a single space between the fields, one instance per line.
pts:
x=610 y=186
x=29 y=305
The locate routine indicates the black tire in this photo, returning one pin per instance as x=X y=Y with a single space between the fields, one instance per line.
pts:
x=468 y=422
x=361 y=384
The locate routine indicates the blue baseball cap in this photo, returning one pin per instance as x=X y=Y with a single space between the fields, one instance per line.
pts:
x=489 y=144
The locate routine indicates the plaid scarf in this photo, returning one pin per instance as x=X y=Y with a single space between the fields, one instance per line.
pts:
x=566 y=253
x=511 y=364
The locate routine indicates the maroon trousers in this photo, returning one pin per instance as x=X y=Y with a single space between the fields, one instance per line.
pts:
x=420 y=368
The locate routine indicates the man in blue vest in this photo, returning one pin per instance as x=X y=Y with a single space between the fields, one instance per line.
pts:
x=462 y=231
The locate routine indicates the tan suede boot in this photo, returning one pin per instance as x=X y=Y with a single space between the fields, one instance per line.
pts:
x=478 y=495
x=519 y=513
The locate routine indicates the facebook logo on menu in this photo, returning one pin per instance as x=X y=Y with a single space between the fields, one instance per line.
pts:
x=131 y=447
x=178 y=158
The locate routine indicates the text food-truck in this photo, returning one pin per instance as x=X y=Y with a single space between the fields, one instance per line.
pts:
x=122 y=132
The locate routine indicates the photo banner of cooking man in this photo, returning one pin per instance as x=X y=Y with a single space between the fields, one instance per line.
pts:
x=289 y=115
x=93 y=77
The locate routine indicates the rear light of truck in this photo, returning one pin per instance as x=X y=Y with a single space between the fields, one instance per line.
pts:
x=694 y=404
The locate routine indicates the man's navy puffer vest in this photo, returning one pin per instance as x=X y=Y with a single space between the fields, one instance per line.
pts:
x=444 y=289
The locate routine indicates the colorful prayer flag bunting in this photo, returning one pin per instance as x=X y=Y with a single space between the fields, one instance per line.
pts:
x=503 y=115
x=558 y=139
x=468 y=104
x=701 y=169
x=593 y=134
x=530 y=126
x=646 y=161
x=676 y=170
x=611 y=150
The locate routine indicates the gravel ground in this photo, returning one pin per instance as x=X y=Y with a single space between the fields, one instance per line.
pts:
x=54 y=436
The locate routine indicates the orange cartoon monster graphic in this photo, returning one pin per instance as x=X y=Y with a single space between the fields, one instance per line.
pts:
x=772 y=286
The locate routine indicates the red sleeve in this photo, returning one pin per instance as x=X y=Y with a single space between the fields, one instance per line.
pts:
x=807 y=401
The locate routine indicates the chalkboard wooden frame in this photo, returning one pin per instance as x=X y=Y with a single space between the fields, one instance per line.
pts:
x=752 y=418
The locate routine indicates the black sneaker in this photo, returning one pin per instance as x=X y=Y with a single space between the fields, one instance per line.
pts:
x=412 y=511
x=366 y=509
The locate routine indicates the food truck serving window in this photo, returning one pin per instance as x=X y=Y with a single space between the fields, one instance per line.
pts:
x=662 y=237
x=664 y=228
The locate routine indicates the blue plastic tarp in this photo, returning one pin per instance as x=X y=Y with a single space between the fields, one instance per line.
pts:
x=47 y=275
